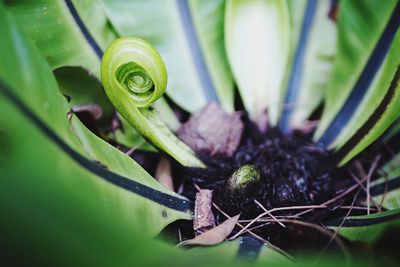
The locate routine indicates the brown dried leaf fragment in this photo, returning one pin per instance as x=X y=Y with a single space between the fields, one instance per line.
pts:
x=213 y=131
x=163 y=173
x=89 y=115
x=214 y=236
x=93 y=109
x=203 y=216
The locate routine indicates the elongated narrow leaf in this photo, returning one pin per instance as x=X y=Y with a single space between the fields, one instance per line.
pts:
x=365 y=32
x=312 y=62
x=389 y=150
x=297 y=10
x=31 y=87
x=67 y=32
x=82 y=89
x=54 y=204
x=386 y=190
x=241 y=250
x=257 y=43
x=383 y=192
x=193 y=76
x=74 y=33
x=215 y=235
x=392 y=164
x=367 y=228
x=377 y=111
x=127 y=136
x=208 y=19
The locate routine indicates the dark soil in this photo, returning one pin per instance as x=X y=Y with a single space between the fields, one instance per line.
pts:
x=293 y=171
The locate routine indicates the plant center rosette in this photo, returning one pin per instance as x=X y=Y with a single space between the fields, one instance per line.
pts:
x=245 y=176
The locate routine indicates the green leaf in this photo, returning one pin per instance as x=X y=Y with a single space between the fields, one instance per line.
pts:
x=360 y=26
x=297 y=12
x=231 y=251
x=313 y=57
x=378 y=109
x=134 y=77
x=55 y=205
x=129 y=137
x=30 y=85
x=82 y=89
x=68 y=196
x=390 y=142
x=368 y=228
x=208 y=18
x=386 y=191
x=55 y=30
x=192 y=78
x=257 y=36
x=74 y=33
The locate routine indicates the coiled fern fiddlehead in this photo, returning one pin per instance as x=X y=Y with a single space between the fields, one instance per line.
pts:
x=134 y=77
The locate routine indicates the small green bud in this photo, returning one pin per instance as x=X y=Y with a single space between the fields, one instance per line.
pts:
x=242 y=178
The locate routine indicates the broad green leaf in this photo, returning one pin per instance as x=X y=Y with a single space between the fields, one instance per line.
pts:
x=297 y=14
x=55 y=30
x=169 y=27
x=208 y=18
x=382 y=99
x=59 y=213
x=55 y=205
x=232 y=251
x=94 y=18
x=54 y=192
x=390 y=146
x=386 y=191
x=272 y=257
x=360 y=26
x=316 y=55
x=31 y=83
x=395 y=129
x=392 y=164
x=369 y=228
x=82 y=89
x=296 y=11
x=69 y=34
x=74 y=33
x=257 y=39
x=227 y=250
x=128 y=137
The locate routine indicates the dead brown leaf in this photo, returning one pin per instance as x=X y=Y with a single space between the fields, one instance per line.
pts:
x=213 y=131
x=93 y=109
x=163 y=173
x=213 y=236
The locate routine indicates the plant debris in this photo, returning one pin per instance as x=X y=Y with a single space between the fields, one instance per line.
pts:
x=213 y=236
x=163 y=173
x=283 y=185
x=90 y=115
x=293 y=171
x=95 y=110
x=212 y=131
x=203 y=216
